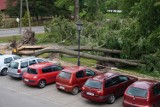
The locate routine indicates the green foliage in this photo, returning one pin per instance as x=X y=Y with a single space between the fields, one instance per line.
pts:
x=25 y=19
x=37 y=7
x=61 y=31
x=152 y=62
x=97 y=33
x=8 y=23
x=141 y=36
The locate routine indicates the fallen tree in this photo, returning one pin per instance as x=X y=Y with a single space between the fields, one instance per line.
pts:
x=74 y=53
x=89 y=48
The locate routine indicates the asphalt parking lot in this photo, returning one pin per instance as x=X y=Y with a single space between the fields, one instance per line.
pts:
x=16 y=91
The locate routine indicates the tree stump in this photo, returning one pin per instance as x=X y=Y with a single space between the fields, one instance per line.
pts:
x=28 y=37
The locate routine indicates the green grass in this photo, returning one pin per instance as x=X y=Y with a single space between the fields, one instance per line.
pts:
x=139 y=73
x=83 y=61
x=18 y=37
x=8 y=39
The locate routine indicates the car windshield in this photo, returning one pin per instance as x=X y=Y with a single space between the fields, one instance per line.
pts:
x=14 y=65
x=93 y=84
x=65 y=75
x=32 y=71
x=137 y=92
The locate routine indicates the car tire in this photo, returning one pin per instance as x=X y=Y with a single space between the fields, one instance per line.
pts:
x=41 y=83
x=75 y=91
x=153 y=105
x=111 y=99
x=4 y=72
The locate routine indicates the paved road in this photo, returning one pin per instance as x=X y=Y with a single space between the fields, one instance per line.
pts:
x=14 y=93
x=15 y=31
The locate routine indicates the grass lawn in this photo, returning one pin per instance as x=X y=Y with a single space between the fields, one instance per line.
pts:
x=83 y=61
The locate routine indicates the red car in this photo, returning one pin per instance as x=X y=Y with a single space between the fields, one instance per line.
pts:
x=106 y=87
x=72 y=79
x=143 y=93
x=41 y=74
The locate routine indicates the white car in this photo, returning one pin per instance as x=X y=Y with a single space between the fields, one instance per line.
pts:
x=5 y=61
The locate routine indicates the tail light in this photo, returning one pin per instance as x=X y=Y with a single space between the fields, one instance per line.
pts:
x=83 y=88
x=19 y=71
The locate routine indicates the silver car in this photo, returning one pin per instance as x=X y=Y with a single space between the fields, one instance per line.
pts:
x=4 y=62
x=18 y=67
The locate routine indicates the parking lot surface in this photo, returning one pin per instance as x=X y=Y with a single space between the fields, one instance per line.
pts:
x=14 y=93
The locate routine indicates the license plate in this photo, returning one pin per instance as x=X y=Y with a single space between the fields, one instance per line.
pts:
x=26 y=80
x=61 y=87
x=89 y=93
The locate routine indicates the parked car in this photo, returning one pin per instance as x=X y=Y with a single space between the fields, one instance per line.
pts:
x=106 y=87
x=143 y=93
x=4 y=62
x=41 y=74
x=18 y=67
x=71 y=79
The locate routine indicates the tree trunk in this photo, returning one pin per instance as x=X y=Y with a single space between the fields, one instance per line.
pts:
x=90 y=48
x=76 y=10
x=84 y=55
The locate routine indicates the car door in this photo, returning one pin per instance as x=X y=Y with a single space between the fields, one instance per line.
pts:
x=24 y=66
x=123 y=83
x=156 y=95
x=55 y=71
x=47 y=71
x=111 y=86
x=7 y=61
x=81 y=78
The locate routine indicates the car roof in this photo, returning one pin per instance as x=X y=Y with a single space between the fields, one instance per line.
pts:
x=144 y=84
x=25 y=59
x=6 y=56
x=73 y=69
x=104 y=76
x=41 y=65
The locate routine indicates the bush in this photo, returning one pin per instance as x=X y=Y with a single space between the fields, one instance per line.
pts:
x=8 y=23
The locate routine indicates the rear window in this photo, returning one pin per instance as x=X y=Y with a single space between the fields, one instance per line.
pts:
x=93 y=84
x=65 y=75
x=40 y=60
x=14 y=65
x=24 y=64
x=32 y=71
x=137 y=92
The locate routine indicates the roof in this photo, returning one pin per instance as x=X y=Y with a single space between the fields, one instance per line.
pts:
x=6 y=56
x=104 y=76
x=24 y=59
x=73 y=69
x=41 y=65
x=3 y=4
x=144 y=84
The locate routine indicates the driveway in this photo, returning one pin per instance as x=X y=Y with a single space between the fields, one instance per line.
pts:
x=14 y=93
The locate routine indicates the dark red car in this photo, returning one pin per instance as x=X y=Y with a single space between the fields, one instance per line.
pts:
x=41 y=74
x=72 y=79
x=106 y=87
x=143 y=93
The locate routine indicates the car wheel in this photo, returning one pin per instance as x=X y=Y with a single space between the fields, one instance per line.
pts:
x=75 y=90
x=41 y=83
x=111 y=99
x=153 y=105
x=4 y=72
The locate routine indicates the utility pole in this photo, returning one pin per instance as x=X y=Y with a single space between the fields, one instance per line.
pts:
x=20 y=27
x=29 y=20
